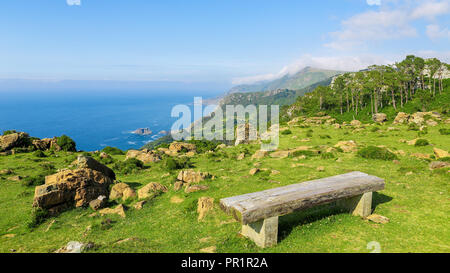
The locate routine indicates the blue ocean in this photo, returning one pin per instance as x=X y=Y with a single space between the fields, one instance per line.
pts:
x=93 y=119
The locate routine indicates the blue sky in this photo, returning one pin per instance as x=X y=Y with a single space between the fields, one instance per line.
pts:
x=212 y=41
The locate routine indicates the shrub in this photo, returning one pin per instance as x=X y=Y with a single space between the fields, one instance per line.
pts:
x=325 y=136
x=66 y=143
x=413 y=127
x=128 y=166
x=327 y=155
x=204 y=145
x=8 y=132
x=113 y=151
x=444 y=131
x=306 y=153
x=171 y=163
x=39 y=153
x=38 y=215
x=286 y=132
x=422 y=142
x=373 y=152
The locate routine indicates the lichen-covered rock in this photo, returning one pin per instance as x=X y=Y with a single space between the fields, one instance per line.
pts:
x=438 y=165
x=260 y=154
x=205 y=204
x=347 y=146
x=191 y=176
x=119 y=210
x=253 y=171
x=380 y=117
x=379 y=219
x=71 y=188
x=145 y=155
x=98 y=203
x=122 y=190
x=181 y=146
x=14 y=140
x=439 y=153
x=401 y=118
x=195 y=188
x=151 y=189
x=355 y=123
x=90 y=163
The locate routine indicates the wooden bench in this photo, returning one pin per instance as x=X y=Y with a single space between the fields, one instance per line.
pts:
x=258 y=212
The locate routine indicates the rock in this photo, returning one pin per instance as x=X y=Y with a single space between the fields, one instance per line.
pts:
x=320 y=169
x=259 y=154
x=439 y=153
x=380 y=117
x=176 y=200
x=421 y=156
x=280 y=154
x=191 y=176
x=438 y=165
x=145 y=156
x=15 y=178
x=14 y=140
x=336 y=126
x=355 y=123
x=90 y=163
x=205 y=204
x=104 y=155
x=71 y=188
x=178 y=185
x=401 y=118
x=98 y=203
x=275 y=172
x=389 y=129
x=163 y=132
x=241 y=156
x=245 y=133
x=181 y=146
x=122 y=190
x=45 y=144
x=294 y=121
x=9 y=235
x=195 y=188
x=143 y=131
x=165 y=175
x=417 y=118
x=74 y=247
x=5 y=172
x=305 y=140
x=221 y=146
x=119 y=210
x=253 y=171
x=400 y=152
x=347 y=146
x=211 y=249
x=139 y=205
x=151 y=189
x=412 y=142
x=431 y=123
x=379 y=219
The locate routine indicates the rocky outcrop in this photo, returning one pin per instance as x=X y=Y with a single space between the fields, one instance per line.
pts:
x=122 y=190
x=71 y=188
x=259 y=154
x=347 y=146
x=90 y=163
x=380 y=117
x=439 y=153
x=14 y=140
x=401 y=118
x=151 y=189
x=98 y=203
x=145 y=155
x=178 y=147
x=191 y=176
x=245 y=133
x=205 y=204
x=355 y=123
x=46 y=144
x=143 y=131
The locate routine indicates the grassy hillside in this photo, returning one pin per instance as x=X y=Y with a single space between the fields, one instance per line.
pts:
x=306 y=77
x=416 y=200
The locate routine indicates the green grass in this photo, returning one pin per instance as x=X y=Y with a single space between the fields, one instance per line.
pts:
x=416 y=200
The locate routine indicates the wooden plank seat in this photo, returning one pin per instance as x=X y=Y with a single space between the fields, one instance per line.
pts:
x=259 y=211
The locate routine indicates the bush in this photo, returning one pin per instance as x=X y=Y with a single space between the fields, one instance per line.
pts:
x=327 y=155
x=286 y=132
x=413 y=127
x=113 y=151
x=444 y=131
x=66 y=143
x=171 y=163
x=202 y=146
x=325 y=136
x=39 y=153
x=8 y=132
x=128 y=166
x=306 y=153
x=38 y=216
x=422 y=142
x=373 y=152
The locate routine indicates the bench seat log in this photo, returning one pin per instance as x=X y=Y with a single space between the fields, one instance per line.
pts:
x=258 y=212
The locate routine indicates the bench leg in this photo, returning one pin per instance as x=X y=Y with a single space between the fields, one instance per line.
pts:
x=264 y=233
x=360 y=205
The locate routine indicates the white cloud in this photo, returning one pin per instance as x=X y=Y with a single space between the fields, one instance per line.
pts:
x=344 y=63
x=435 y=32
x=373 y=2
x=73 y=2
x=431 y=9
x=393 y=20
